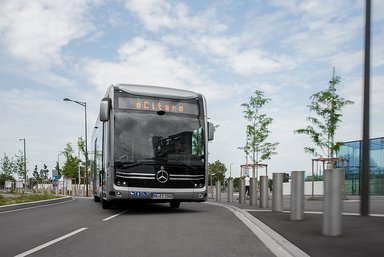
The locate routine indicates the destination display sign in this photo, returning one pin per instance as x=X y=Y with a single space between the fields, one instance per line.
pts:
x=156 y=105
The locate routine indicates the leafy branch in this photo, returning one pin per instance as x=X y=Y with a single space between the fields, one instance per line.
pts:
x=326 y=106
x=257 y=131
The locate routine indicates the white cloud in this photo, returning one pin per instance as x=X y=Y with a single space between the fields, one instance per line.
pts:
x=253 y=61
x=42 y=119
x=313 y=30
x=158 y=14
x=36 y=31
x=236 y=55
x=144 y=61
x=205 y=34
x=346 y=62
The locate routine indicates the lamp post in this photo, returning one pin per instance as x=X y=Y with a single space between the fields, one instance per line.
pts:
x=25 y=162
x=230 y=170
x=58 y=173
x=365 y=169
x=84 y=104
x=58 y=161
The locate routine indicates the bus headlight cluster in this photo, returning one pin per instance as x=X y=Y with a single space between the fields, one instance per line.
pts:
x=201 y=185
x=121 y=183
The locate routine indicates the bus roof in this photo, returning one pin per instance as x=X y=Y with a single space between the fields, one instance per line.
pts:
x=157 y=91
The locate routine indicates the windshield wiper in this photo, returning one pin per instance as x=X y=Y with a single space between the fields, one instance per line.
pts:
x=178 y=161
x=130 y=164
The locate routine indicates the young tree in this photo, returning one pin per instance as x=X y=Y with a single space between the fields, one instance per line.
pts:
x=19 y=165
x=7 y=166
x=257 y=131
x=70 y=168
x=217 y=170
x=44 y=172
x=57 y=167
x=81 y=147
x=36 y=174
x=7 y=169
x=327 y=106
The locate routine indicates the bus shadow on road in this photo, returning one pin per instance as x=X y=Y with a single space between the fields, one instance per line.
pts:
x=149 y=208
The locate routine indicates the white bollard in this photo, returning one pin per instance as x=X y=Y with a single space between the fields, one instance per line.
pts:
x=230 y=190
x=218 y=191
x=242 y=191
x=277 y=192
x=253 y=191
x=297 y=195
x=332 y=225
x=263 y=192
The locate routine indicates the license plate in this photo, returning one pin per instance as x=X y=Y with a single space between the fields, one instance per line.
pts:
x=161 y=196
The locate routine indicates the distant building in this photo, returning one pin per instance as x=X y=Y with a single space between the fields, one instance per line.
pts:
x=351 y=152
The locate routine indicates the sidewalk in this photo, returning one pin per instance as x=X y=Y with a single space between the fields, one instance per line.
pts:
x=362 y=236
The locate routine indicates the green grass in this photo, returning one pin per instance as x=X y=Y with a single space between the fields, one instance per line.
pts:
x=23 y=198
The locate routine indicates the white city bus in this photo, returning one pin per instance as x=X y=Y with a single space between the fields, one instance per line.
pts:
x=150 y=143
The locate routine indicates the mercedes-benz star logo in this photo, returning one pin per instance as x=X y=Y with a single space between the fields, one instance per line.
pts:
x=162 y=175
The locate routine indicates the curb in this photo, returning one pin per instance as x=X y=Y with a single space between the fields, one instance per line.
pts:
x=12 y=207
x=280 y=246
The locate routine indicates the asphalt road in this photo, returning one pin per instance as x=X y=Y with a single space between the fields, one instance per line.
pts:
x=82 y=228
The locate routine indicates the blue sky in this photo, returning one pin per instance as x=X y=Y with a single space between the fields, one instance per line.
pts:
x=223 y=49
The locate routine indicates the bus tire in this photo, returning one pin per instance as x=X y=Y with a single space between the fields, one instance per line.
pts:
x=174 y=204
x=105 y=204
x=96 y=199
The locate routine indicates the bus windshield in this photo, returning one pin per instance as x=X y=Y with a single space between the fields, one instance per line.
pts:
x=143 y=136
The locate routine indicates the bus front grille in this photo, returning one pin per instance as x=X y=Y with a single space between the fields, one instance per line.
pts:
x=150 y=180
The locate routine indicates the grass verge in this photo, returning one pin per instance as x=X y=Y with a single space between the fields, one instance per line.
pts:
x=23 y=198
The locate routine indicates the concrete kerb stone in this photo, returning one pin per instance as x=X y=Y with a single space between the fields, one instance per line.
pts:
x=12 y=207
x=280 y=246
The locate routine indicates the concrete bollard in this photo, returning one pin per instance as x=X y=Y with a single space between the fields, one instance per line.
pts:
x=253 y=191
x=218 y=191
x=332 y=225
x=242 y=191
x=230 y=190
x=263 y=192
x=297 y=195
x=277 y=192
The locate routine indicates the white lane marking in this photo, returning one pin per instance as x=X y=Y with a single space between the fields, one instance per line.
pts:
x=38 y=248
x=114 y=216
x=278 y=245
x=257 y=210
x=38 y=206
x=376 y=215
x=343 y=213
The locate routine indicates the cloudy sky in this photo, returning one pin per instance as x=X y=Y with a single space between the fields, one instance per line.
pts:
x=225 y=49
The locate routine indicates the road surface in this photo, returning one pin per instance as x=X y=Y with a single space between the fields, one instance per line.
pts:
x=82 y=228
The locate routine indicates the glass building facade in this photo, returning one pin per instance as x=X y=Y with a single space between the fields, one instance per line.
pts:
x=351 y=152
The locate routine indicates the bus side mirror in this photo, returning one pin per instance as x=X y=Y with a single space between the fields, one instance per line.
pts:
x=105 y=106
x=211 y=131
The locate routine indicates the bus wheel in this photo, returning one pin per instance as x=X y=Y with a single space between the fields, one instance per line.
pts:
x=174 y=204
x=96 y=198
x=105 y=204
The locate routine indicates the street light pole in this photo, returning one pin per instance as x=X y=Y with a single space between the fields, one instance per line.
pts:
x=58 y=173
x=25 y=163
x=58 y=161
x=84 y=104
x=365 y=163
x=230 y=170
